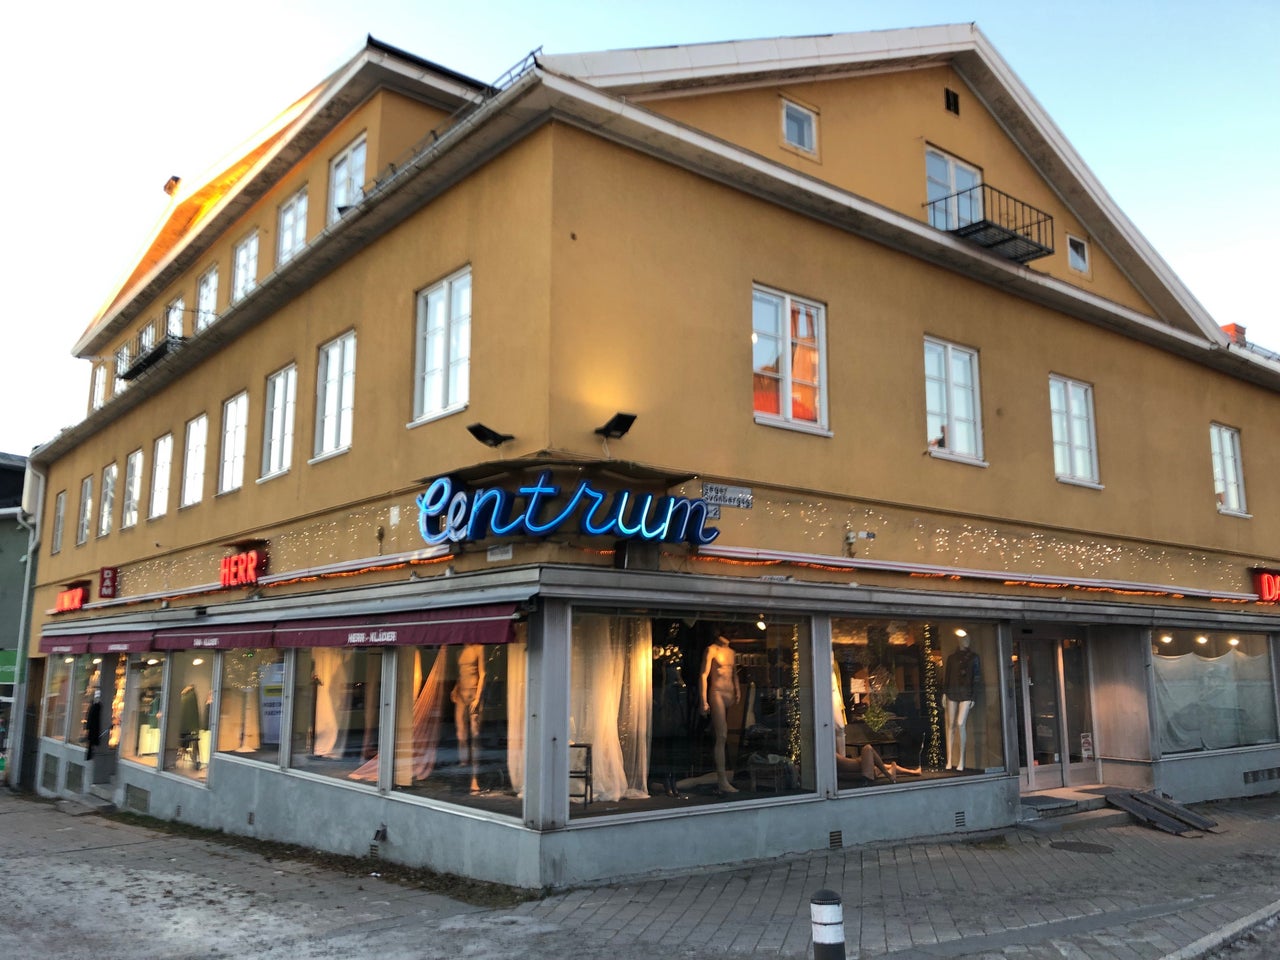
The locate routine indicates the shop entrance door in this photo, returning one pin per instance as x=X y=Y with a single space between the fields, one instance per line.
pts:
x=1053 y=709
x=111 y=688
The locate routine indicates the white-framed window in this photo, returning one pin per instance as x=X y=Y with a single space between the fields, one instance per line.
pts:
x=161 y=466
x=788 y=355
x=123 y=359
x=85 y=517
x=953 y=402
x=235 y=430
x=244 y=267
x=1077 y=254
x=146 y=339
x=193 y=460
x=799 y=127
x=335 y=394
x=953 y=201
x=132 y=489
x=98 y=386
x=443 y=381
x=292 y=231
x=207 y=298
x=59 y=521
x=173 y=317
x=1228 y=468
x=108 y=506
x=346 y=180
x=277 y=427
x=1075 y=451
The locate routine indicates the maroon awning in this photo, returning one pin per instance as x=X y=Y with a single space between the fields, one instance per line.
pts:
x=486 y=623
x=234 y=637
x=76 y=644
x=126 y=641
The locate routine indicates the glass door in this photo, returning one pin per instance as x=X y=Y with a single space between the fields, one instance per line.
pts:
x=1053 y=710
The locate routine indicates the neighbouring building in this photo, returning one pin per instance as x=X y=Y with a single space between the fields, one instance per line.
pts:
x=14 y=532
x=655 y=458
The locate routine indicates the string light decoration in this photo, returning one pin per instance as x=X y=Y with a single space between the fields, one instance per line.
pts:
x=932 y=709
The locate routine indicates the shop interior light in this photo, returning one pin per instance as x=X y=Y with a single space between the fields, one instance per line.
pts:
x=97 y=660
x=1202 y=639
x=961 y=632
x=69 y=660
x=1166 y=639
x=197 y=661
x=152 y=662
x=1234 y=641
x=760 y=624
x=488 y=436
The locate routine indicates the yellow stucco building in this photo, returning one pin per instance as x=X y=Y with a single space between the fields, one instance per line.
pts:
x=567 y=478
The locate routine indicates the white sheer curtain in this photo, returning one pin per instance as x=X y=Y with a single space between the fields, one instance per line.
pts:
x=515 y=714
x=330 y=666
x=1213 y=703
x=611 y=702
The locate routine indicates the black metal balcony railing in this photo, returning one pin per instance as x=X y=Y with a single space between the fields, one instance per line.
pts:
x=992 y=219
x=146 y=351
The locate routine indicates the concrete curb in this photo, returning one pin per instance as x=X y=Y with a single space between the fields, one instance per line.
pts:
x=1230 y=932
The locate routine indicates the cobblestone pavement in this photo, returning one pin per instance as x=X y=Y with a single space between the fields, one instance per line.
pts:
x=90 y=887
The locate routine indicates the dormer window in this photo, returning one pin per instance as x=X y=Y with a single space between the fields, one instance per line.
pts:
x=346 y=180
x=1077 y=254
x=799 y=127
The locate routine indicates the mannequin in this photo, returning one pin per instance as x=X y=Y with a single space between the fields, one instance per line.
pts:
x=962 y=678
x=189 y=722
x=93 y=725
x=719 y=692
x=466 y=708
x=867 y=763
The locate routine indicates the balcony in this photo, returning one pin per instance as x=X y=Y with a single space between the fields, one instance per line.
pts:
x=995 y=221
x=147 y=351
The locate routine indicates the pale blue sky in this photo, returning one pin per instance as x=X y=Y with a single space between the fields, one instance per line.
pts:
x=1171 y=103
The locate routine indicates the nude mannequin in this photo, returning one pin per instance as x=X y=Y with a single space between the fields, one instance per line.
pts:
x=719 y=692
x=868 y=762
x=466 y=707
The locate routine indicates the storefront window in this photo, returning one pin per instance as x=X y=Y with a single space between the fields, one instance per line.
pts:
x=459 y=727
x=143 y=707
x=669 y=711
x=252 y=704
x=56 y=696
x=187 y=736
x=914 y=700
x=87 y=722
x=1213 y=689
x=337 y=700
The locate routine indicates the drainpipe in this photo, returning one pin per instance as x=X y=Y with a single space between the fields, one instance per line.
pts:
x=18 y=718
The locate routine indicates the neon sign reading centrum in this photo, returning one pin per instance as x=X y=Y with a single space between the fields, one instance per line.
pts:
x=456 y=515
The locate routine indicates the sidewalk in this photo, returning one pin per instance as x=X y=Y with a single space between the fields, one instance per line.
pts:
x=85 y=886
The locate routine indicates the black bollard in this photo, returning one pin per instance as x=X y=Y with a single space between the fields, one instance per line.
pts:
x=826 y=914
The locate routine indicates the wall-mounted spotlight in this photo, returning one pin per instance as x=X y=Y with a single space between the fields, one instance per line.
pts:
x=617 y=426
x=488 y=436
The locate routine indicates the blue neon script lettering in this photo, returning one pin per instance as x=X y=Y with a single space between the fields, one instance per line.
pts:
x=445 y=514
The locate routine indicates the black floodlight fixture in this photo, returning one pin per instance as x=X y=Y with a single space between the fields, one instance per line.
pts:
x=488 y=436
x=617 y=426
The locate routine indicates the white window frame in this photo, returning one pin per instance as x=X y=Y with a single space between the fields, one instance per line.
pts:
x=942 y=443
x=277 y=427
x=442 y=368
x=194 y=447
x=235 y=432
x=174 y=317
x=346 y=178
x=810 y=123
x=1083 y=256
x=107 y=505
x=132 y=490
x=1074 y=429
x=784 y=334
x=59 y=521
x=207 y=298
x=1228 y=469
x=335 y=395
x=123 y=360
x=291 y=231
x=85 y=517
x=146 y=339
x=98 y=386
x=161 y=470
x=955 y=213
x=244 y=267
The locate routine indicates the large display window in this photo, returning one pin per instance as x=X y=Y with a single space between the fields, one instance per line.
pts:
x=89 y=716
x=1213 y=689
x=251 y=704
x=914 y=700
x=337 y=705
x=187 y=734
x=460 y=724
x=144 y=711
x=669 y=711
x=58 y=693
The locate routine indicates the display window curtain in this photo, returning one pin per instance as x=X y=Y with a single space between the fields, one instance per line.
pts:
x=332 y=670
x=1214 y=703
x=611 y=702
x=416 y=761
x=516 y=678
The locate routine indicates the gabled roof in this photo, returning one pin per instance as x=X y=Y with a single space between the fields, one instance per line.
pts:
x=650 y=72
x=197 y=216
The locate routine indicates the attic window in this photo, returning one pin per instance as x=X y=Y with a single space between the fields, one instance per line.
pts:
x=1078 y=254
x=799 y=127
x=952 y=100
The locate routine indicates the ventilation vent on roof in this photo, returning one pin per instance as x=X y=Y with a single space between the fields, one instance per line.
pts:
x=953 y=101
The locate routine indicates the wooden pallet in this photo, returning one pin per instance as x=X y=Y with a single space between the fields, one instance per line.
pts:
x=1163 y=814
